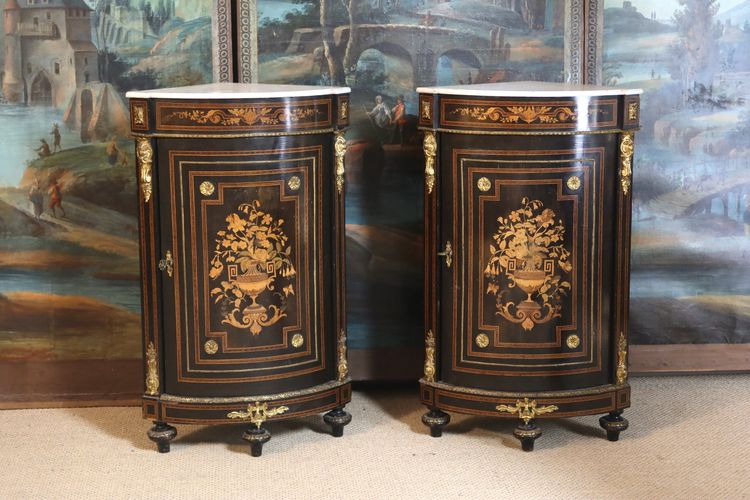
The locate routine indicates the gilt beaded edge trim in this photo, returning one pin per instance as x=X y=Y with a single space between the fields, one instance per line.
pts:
x=250 y=399
x=603 y=389
x=507 y=132
x=237 y=136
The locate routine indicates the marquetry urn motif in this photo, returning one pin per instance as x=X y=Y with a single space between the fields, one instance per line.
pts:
x=242 y=250
x=249 y=256
x=527 y=234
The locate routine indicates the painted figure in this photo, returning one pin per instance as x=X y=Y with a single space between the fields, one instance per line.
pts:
x=36 y=197
x=380 y=114
x=55 y=198
x=43 y=150
x=123 y=159
x=56 y=138
x=380 y=117
x=398 y=113
x=113 y=153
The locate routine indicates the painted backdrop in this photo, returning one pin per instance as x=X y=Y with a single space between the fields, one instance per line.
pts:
x=383 y=49
x=69 y=271
x=691 y=193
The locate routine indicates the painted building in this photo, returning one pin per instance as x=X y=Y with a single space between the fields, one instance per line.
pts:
x=118 y=25
x=48 y=51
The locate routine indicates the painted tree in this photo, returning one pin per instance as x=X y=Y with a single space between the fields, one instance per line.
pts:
x=696 y=52
x=332 y=54
x=341 y=60
x=353 y=8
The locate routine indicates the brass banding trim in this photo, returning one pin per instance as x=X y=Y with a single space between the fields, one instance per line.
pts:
x=236 y=136
x=602 y=389
x=510 y=132
x=251 y=399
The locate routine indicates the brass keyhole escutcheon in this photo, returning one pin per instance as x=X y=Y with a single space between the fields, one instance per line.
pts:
x=167 y=264
x=447 y=253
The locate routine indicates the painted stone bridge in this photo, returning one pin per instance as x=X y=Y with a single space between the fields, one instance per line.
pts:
x=421 y=46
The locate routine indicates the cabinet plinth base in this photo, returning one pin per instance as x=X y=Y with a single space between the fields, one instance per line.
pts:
x=161 y=434
x=614 y=424
x=330 y=397
x=441 y=397
x=337 y=419
x=257 y=437
x=436 y=420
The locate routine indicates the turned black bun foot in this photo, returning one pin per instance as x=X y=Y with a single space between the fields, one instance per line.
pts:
x=436 y=420
x=257 y=437
x=614 y=424
x=527 y=433
x=337 y=419
x=161 y=434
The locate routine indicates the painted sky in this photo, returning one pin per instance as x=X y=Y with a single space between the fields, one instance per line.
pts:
x=665 y=8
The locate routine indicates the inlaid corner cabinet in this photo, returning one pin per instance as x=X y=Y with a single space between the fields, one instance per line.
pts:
x=241 y=206
x=527 y=239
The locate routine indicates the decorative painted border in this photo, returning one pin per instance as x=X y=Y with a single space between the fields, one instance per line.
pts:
x=574 y=22
x=222 y=46
x=592 y=42
x=246 y=41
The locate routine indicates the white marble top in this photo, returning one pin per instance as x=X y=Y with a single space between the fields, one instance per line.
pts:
x=528 y=89
x=237 y=91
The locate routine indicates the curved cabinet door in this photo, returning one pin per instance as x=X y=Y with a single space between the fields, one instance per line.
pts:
x=248 y=229
x=524 y=304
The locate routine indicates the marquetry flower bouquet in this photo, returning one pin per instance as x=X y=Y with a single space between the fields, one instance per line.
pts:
x=249 y=256
x=527 y=249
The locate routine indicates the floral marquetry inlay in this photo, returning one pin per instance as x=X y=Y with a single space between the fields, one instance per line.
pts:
x=252 y=261
x=517 y=114
x=250 y=115
x=528 y=252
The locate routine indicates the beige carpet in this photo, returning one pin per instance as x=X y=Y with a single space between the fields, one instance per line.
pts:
x=689 y=438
